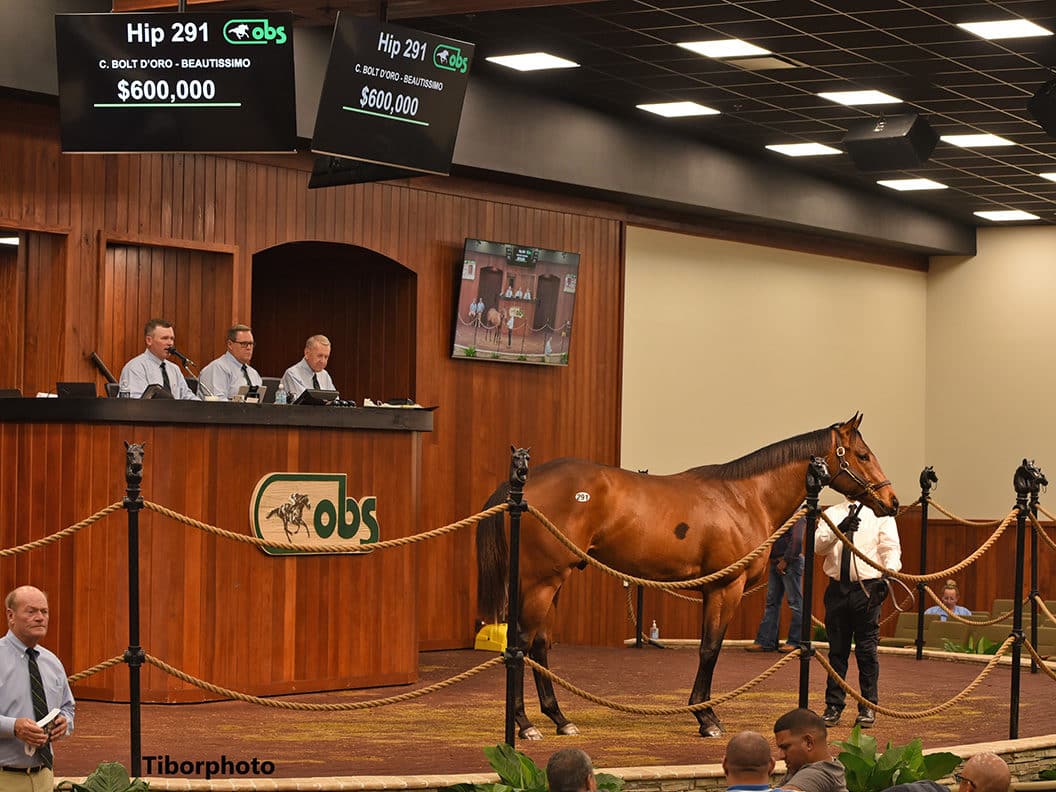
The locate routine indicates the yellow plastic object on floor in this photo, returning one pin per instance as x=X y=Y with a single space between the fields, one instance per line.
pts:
x=491 y=638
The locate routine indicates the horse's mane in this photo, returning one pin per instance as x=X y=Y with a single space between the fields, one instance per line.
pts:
x=794 y=449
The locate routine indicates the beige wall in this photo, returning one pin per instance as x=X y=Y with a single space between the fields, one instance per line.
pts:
x=991 y=326
x=729 y=346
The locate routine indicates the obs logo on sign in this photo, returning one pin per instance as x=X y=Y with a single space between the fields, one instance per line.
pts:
x=311 y=509
x=253 y=31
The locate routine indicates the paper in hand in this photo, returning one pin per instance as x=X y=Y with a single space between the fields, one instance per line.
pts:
x=43 y=723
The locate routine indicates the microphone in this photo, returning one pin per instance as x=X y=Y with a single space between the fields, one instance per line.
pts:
x=182 y=357
x=99 y=364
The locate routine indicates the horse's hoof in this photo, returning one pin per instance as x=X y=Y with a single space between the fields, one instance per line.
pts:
x=568 y=728
x=711 y=730
x=531 y=733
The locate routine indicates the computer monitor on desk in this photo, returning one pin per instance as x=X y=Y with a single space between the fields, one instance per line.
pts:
x=272 y=385
x=75 y=390
x=317 y=396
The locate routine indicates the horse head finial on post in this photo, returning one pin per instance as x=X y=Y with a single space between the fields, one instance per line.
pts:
x=134 y=453
x=518 y=469
x=927 y=480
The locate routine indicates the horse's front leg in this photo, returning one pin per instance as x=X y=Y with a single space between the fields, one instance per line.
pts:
x=537 y=603
x=719 y=606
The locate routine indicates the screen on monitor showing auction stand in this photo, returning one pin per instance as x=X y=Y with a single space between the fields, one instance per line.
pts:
x=515 y=303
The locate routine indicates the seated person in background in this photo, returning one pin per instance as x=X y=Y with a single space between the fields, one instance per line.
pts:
x=225 y=375
x=527 y=294
x=949 y=599
x=803 y=742
x=310 y=372
x=153 y=367
x=508 y=292
x=747 y=763
x=518 y=294
x=570 y=770
x=984 y=772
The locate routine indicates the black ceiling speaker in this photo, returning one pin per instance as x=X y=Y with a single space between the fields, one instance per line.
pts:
x=1043 y=107
x=890 y=143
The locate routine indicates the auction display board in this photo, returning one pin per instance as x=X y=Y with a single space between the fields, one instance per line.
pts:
x=176 y=82
x=392 y=95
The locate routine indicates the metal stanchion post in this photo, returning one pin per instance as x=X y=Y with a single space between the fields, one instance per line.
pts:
x=1025 y=480
x=639 y=623
x=514 y=654
x=134 y=656
x=927 y=478
x=817 y=477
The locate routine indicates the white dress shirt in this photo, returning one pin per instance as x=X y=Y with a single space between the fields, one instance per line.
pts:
x=298 y=378
x=145 y=369
x=876 y=537
x=223 y=377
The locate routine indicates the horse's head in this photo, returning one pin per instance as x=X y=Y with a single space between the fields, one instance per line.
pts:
x=856 y=472
x=519 y=463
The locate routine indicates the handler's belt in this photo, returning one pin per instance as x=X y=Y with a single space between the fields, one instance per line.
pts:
x=23 y=770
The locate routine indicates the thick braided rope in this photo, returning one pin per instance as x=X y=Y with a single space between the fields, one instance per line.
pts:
x=1039 y=660
x=96 y=668
x=736 y=566
x=903 y=509
x=1041 y=531
x=656 y=709
x=919 y=714
x=68 y=531
x=955 y=518
x=1044 y=609
x=950 y=614
x=299 y=705
x=945 y=573
x=327 y=548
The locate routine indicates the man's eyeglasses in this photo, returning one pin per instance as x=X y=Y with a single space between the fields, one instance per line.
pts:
x=245 y=344
x=960 y=779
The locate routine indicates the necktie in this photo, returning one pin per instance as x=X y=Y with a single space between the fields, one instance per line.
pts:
x=848 y=527
x=245 y=373
x=165 y=379
x=315 y=381
x=40 y=704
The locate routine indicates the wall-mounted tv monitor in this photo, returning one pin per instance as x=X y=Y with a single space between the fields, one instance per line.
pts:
x=515 y=303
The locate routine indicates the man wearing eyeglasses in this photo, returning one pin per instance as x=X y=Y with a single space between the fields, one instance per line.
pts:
x=984 y=772
x=224 y=376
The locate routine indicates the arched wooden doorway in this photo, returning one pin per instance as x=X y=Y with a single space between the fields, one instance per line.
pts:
x=364 y=302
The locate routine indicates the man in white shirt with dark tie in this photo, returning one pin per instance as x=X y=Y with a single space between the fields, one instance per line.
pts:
x=225 y=375
x=310 y=371
x=853 y=599
x=153 y=367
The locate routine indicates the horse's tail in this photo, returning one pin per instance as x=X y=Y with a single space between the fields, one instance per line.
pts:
x=272 y=513
x=493 y=563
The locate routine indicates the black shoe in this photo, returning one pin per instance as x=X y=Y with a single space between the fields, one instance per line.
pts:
x=866 y=718
x=831 y=716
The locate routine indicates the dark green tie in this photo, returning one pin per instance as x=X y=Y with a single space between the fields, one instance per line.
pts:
x=165 y=379
x=40 y=703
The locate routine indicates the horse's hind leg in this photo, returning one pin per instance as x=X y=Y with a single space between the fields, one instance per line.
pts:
x=545 y=686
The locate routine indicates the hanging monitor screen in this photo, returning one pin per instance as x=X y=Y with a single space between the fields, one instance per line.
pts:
x=176 y=82
x=392 y=95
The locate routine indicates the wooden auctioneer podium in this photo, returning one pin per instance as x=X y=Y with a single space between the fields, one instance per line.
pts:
x=221 y=610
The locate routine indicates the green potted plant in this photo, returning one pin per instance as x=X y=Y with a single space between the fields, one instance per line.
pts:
x=868 y=772
x=107 y=777
x=519 y=773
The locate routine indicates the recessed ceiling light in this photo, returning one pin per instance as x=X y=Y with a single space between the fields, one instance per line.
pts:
x=1006 y=215
x=803 y=149
x=860 y=97
x=1049 y=176
x=724 y=48
x=912 y=184
x=976 y=141
x=532 y=61
x=1007 y=28
x=9 y=240
x=678 y=109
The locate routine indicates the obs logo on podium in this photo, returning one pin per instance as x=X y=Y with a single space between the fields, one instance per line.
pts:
x=310 y=509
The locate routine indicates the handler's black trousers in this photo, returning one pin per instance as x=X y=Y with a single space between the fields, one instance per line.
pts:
x=853 y=614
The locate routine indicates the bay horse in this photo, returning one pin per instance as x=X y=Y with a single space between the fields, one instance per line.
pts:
x=675 y=527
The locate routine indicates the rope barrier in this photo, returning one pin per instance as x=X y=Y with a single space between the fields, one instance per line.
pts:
x=1044 y=609
x=1039 y=660
x=68 y=531
x=737 y=566
x=919 y=714
x=327 y=548
x=955 y=518
x=1041 y=530
x=300 y=705
x=96 y=668
x=656 y=709
x=945 y=573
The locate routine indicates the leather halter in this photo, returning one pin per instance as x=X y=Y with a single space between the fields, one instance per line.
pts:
x=866 y=487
